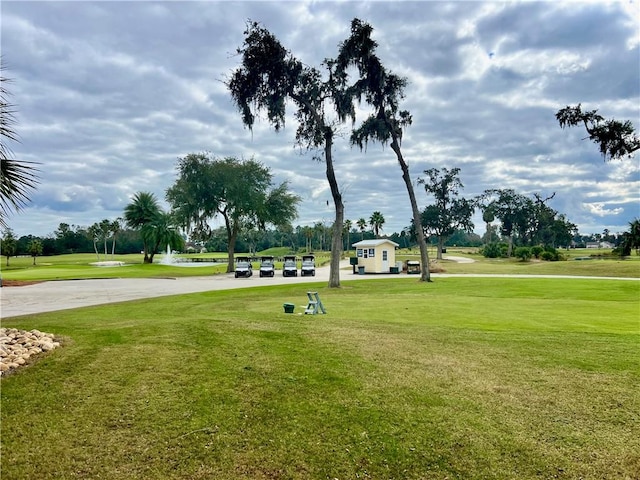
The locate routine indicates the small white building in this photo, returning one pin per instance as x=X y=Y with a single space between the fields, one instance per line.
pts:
x=376 y=256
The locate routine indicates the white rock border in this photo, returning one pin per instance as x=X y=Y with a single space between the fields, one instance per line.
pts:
x=18 y=346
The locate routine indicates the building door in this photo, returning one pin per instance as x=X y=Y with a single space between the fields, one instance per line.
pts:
x=385 y=261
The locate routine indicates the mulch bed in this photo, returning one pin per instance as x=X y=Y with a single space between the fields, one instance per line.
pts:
x=18 y=283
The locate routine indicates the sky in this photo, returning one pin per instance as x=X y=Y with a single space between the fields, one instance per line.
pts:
x=111 y=94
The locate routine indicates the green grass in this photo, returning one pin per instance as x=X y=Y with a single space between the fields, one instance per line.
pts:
x=79 y=266
x=463 y=378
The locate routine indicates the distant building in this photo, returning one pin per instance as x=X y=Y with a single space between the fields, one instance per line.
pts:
x=599 y=245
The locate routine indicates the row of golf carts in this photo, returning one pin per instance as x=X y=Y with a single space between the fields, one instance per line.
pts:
x=268 y=269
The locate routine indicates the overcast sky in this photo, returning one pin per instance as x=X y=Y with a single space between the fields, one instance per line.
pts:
x=110 y=94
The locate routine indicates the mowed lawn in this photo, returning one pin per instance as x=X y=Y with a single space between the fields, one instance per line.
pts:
x=463 y=378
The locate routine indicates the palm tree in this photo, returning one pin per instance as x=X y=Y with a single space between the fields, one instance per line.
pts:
x=347 y=228
x=631 y=238
x=17 y=178
x=105 y=230
x=34 y=248
x=162 y=232
x=362 y=224
x=114 y=229
x=93 y=233
x=376 y=221
x=140 y=215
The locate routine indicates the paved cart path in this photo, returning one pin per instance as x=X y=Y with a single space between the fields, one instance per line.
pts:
x=64 y=294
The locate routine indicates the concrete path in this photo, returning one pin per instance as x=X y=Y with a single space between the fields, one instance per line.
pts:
x=65 y=294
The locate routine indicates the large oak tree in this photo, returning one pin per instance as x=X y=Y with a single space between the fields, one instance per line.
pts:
x=239 y=191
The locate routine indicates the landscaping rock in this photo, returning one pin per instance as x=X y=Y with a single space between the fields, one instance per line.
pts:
x=18 y=346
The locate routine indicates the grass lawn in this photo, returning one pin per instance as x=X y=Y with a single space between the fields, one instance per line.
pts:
x=464 y=378
x=79 y=266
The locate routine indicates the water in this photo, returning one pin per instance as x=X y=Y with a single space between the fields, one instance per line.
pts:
x=167 y=259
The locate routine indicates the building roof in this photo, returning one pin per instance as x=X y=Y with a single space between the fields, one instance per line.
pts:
x=374 y=243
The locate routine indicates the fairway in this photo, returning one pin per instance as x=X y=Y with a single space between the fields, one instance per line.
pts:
x=468 y=378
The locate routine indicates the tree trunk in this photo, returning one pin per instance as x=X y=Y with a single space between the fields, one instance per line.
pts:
x=336 y=237
x=232 y=236
x=425 y=275
x=440 y=247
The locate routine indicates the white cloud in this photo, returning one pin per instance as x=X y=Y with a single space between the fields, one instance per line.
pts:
x=599 y=209
x=110 y=94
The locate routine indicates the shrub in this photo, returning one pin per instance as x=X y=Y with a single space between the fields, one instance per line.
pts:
x=536 y=250
x=492 y=250
x=523 y=253
x=550 y=254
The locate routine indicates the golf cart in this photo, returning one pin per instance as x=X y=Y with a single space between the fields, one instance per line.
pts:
x=308 y=266
x=267 y=268
x=243 y=267
x=290 y=267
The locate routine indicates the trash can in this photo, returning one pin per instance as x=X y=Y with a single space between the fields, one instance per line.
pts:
x=288 y=307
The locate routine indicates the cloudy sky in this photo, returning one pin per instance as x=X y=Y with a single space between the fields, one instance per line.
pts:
x=111 y=94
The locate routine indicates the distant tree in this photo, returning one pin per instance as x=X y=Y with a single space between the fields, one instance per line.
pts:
x=308 y=238
x=347 y=226
x=616 y=139
x=35 y=249
x=512 y=209
x=488 y=216
x=93 y=233
x=9 y=244
x=382 y=90
x=114 y=228
x=17 y=177
x=270 y=77
x=376 y=221
x=161 y=233
x=105 y=232
x=631 y=239
x=241 y=192
x=362 y=226
x=450 y=212
x=140 y=215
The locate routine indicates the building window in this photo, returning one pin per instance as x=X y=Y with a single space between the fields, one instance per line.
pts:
x=372 y=252
x=359 y=252
x=384 y=256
